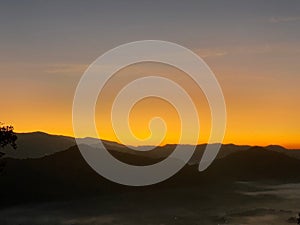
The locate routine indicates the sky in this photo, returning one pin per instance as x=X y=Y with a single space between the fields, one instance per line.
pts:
x=253 y=47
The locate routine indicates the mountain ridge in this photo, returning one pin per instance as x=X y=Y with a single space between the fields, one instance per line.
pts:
x=66 y=174
x=39 y=144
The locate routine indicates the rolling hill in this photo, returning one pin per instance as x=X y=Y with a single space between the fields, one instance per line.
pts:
x=39 y=144
x=66 y=174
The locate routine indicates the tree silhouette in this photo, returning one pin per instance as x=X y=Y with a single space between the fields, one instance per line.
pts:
x=7 y=138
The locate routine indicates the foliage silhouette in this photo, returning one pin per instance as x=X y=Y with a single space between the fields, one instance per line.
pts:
x=7 y=138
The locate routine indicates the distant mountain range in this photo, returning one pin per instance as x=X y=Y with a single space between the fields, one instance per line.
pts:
x=49 y=166
x=65 y=174
x=39 y=144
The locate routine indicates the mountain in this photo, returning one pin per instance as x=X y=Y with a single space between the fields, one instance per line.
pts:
x=66 y=174
x=295 y=153
x=56 y=176
x=257 y=163
x=39 y=144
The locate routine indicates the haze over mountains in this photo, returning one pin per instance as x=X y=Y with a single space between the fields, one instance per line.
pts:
x=39 y=144
x=43 y=163
x=47 y=174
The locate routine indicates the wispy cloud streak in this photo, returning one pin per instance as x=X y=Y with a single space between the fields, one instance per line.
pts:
x=284 y=19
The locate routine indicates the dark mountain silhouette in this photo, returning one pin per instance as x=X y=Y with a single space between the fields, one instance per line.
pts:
x=295 y=153
x=39 y=144
x=65 y=174
x=257 y=163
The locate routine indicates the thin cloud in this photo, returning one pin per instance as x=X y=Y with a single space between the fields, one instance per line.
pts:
x=284 y=19
x=65 y=68
x=211 y=53
x=243 y=50
x=236 y=50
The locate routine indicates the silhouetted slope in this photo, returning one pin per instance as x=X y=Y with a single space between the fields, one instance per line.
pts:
x=62 y=174
x=295 y=153
x=66 y=174
x=57 y=176
x=38 y=144
x=257 y=163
